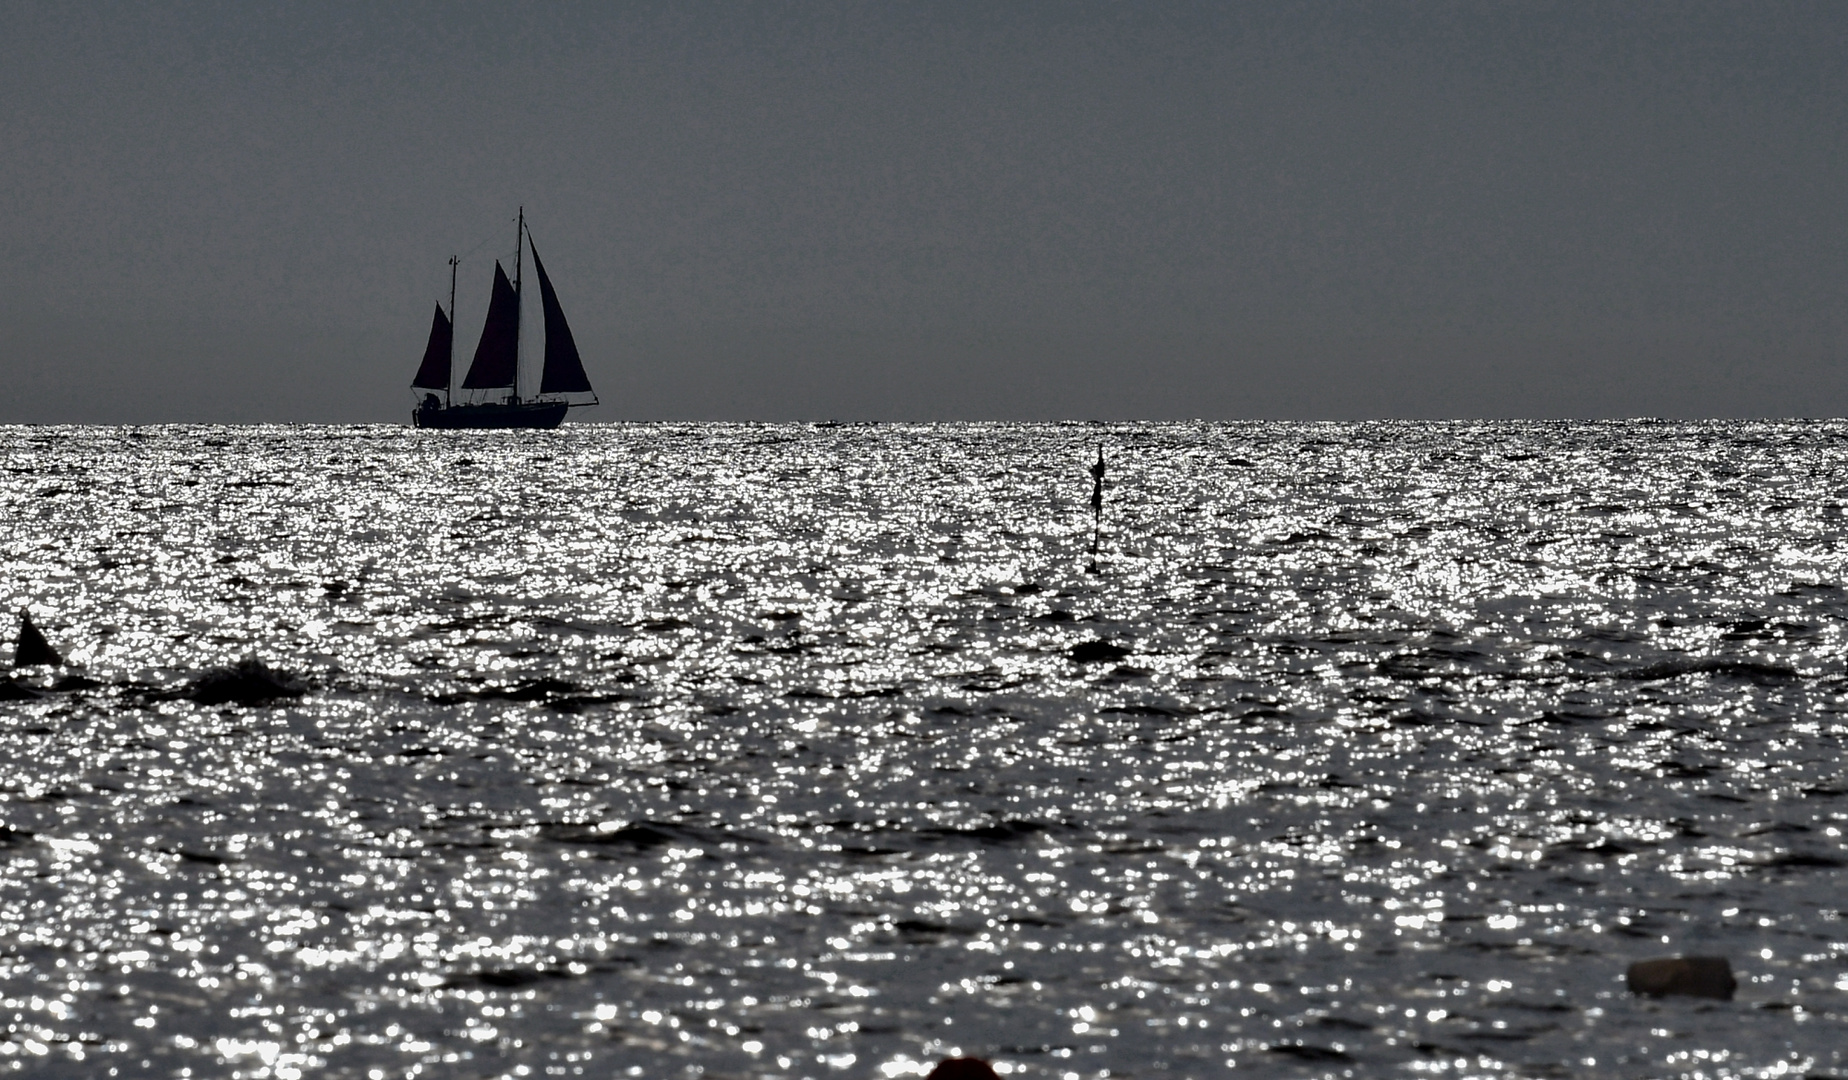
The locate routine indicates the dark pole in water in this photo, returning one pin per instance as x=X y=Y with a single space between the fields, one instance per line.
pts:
x=1097 y=498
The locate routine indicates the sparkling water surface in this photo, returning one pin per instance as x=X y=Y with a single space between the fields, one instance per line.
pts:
x=787 y=751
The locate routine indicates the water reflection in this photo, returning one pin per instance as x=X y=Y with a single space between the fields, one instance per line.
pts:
x=764 y=751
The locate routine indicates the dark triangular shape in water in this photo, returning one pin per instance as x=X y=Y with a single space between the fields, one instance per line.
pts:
x=32 y=648
x=493 y=367
x=433 y=373
x=564 y=370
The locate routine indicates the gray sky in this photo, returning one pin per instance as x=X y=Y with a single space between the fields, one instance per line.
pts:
x=934 y=211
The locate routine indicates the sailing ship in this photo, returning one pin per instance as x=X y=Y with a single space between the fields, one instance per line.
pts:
x=496 y=367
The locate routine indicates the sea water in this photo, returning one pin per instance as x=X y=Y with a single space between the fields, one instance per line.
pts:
x=826 y=751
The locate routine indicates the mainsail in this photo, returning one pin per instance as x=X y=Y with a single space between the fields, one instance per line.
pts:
x=433 y=373
x=564 y=371
x=493 y=367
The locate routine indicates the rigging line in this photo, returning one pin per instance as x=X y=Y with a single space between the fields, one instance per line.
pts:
x=471 y=251
x=460 y=259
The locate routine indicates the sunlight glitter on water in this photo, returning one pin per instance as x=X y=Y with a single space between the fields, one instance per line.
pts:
x=763 y=750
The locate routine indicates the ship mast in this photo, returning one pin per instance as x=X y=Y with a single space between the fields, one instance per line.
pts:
x=519 y=246
x=453 y=263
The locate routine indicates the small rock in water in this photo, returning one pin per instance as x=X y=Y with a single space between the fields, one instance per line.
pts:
x=1092 y=652
x=32 y=649
x=248 y=682
x=1691 y=976
x=962 y=1068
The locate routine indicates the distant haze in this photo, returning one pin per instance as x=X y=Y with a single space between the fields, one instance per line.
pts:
x=243 y=212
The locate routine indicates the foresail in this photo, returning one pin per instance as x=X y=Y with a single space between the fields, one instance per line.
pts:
x=493 y=366
x=433 y=373
x=564 y=370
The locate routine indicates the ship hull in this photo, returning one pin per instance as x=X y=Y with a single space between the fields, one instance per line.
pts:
x=524 y=414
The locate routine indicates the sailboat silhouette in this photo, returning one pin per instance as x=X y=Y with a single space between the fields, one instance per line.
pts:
x=497 y=358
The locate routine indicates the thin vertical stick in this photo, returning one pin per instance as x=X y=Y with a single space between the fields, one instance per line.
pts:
x=1097 y=498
